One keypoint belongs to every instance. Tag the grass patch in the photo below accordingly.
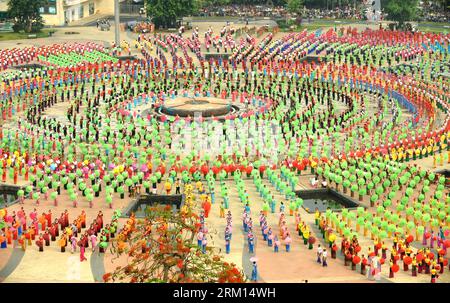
(309, 27)
(432, 29)
(18, 36)
(432, 23)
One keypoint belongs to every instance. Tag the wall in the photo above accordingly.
(57, 19)
(3, 5)
(104, 7)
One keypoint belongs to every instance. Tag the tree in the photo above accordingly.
(164, 13)
(400, 10)
(26, 15)
(170, 254)
(295, 6)
(207, 3)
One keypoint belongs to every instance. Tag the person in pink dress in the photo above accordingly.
(73, 242)
(33, 215)
(93, 238)
(36, 224)
(82, 256)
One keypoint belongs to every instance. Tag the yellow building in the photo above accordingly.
(58, 12)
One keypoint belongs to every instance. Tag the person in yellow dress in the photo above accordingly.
(168, 187)
(222, 209)
(199, 187)
(317, 216)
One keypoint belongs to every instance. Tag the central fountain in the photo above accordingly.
(190, 106)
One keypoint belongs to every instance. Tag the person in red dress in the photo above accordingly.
(46, 237)
(66, 218)
(48, 216)
(52, 232)
(56, 226)
(61, 221)
(40, 244)
(363, 265)
(100, 219)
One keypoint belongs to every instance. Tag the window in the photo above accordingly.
(81, 12)
(49, 8)
(91, 8)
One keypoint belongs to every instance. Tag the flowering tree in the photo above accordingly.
(162, 248)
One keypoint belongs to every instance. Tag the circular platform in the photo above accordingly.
(192, 106)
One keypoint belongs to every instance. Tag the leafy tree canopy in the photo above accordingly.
(165, 13)
(295, 6)
(400, 10)
(26, 15)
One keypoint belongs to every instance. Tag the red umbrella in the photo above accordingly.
(248, 169)
(204, 169)
(407, 260)
(216, 170)
(227, 168)
(447, 243)
(242, 168)
(419, 257)
(161, 169)
(409, 239)
(193, 169)
(395, 267)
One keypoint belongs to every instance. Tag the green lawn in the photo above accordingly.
(18, 36)
(433, 29)
(309, 27)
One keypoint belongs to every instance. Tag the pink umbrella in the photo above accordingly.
(144, 168)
